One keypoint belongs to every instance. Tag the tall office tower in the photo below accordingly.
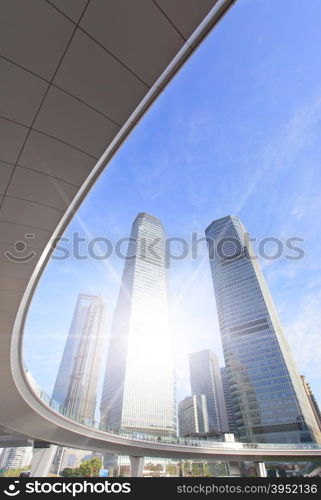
(76, 383)
(312, 399)
(269, 399)
(228, 402)
(206, 379)
(193, 416)
(139, 391)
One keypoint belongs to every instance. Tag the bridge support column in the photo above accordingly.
(43, 455)
(232, 468)
(137, 466)
(260, 469)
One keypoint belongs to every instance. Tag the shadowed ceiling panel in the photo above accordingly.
(66, 91)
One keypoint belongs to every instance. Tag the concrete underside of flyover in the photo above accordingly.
(59, 129)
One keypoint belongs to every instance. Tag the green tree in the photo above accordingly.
(154, 467)
(15, 472)
(172, 469)
(69, 472)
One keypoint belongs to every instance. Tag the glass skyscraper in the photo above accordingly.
(77, 379)
(228, 402)
(312, 399)
(269, 400)
(139, 389)
(193, 416)
(205, 376)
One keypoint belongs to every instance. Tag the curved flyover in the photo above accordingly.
(76, 77)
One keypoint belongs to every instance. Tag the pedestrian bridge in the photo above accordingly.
(138, 444)
(76, 77)
(59, 129)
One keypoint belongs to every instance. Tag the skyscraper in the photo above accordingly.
(15, 458)
(193, 416)
(138, 391)
(228, 402)
(269, 400)
(76, 383)
(312, 399)
(206, 379)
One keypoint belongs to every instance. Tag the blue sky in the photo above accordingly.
(237, 131)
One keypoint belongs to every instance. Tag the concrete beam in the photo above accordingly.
(42, 459)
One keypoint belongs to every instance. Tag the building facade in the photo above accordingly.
(268, 397)
(205, 376)
(77, 379)
(15, 458)
(139, 388)
(193, 416)
(228, 402)
(312, 399)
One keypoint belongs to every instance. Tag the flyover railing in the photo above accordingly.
(205, 442)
